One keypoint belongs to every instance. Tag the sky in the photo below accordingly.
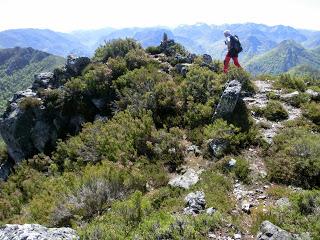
(68, 15)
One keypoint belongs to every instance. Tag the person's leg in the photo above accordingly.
(236, 62)
(226, 63)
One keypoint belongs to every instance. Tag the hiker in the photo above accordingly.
(234, 47)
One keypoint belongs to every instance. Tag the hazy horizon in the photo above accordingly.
(67, 16)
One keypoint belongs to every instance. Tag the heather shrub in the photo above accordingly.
(115, 48)
(274, 111)
(312, 112)
(294, 158)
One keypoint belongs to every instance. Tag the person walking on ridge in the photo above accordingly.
(234, 48)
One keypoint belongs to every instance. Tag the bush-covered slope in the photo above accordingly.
(18, 67)
(153, 121)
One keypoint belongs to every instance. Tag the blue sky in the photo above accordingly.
(68, 15)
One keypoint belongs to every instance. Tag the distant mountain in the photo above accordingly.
(18, 67)
(49, 41)
(286, 55)
(198, 38)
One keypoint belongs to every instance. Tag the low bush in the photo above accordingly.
(274, 111)
(29, 103)
(294, 158)
(312, 112)
(115, 48)
(300, 216)
(290, 82)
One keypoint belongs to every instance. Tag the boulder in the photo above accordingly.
(182, 68)
(189, 178)
(194, 149)
(27, 132)
(269, 231)
(35, 129)
(195, 202)
(289, 96)
(228, 100)
(36, 232)
(217, 147)
(42, 80)
(207, 59)
(75, 65)
(313, 94)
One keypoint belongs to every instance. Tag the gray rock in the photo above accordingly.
(75, 65)
(189, 178)
(36, 232)
(237, 236)
(194, 149)
(283, 202)
(232, 162)
(42, 80)
(5, 169)
(245, 206)
(195, 202)
(182, 68)
(211, 211)
(269, 231)
(313, 94)
(289, 96)
(217, 147)
(228, 100)
(207, 59)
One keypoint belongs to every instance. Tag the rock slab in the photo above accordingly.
(36, 232)
(269, 231)
(189, 178)
(228, 100)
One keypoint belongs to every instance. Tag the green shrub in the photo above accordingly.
(75, 87)
(98, 80)
(242, 170)
(291, 82)
(199, 84)
(312, 112)
(301, 216)
(115, 48)
(116, 140)
(29, 103)
(198, 114)
(299, 100)
(3, 151)
(294, 158)
(136, 88)
(153, 50)
(136, 58)
(274, 111)
(118, 66)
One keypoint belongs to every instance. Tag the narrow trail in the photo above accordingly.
(254, 196)
(260, 100)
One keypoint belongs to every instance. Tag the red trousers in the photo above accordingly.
(227, 60)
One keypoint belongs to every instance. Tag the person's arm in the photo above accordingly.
(228, 43)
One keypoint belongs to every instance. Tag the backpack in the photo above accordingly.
(235, 43)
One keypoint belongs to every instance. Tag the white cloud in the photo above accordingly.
(67, 15)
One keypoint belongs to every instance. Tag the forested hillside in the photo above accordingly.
(18, 67)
